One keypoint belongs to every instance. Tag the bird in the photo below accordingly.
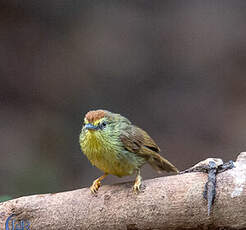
(117, 147)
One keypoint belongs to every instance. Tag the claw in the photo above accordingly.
(96, 184)
(138, 183)
(136, 188)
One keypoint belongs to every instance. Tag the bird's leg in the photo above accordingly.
(97, 183)
(138, 182)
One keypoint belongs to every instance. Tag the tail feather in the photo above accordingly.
(161, 164)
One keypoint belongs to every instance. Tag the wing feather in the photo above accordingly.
(137, 141)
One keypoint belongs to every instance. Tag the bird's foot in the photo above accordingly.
(97, 183)
(137, 184)
(95, 186)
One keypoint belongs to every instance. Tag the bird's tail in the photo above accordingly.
(161, 164)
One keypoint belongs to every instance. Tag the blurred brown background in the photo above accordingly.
(175, 68)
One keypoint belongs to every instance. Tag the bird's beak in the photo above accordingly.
(90, 127)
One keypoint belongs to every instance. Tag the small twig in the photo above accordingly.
(211, 166)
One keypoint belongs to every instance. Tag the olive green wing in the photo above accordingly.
(137, 141)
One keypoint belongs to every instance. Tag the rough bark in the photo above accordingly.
(173, 202)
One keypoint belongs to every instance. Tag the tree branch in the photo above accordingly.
(174, 202)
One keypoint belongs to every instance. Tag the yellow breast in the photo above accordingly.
(105, 155)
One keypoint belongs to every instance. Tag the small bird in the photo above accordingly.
(116, 146)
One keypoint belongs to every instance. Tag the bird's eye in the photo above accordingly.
(103, 124)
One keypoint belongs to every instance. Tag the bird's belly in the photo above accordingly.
(112, 163)
(110, 158)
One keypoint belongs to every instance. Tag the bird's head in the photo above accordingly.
(96, 120)
(101, 131)
(102, 122)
